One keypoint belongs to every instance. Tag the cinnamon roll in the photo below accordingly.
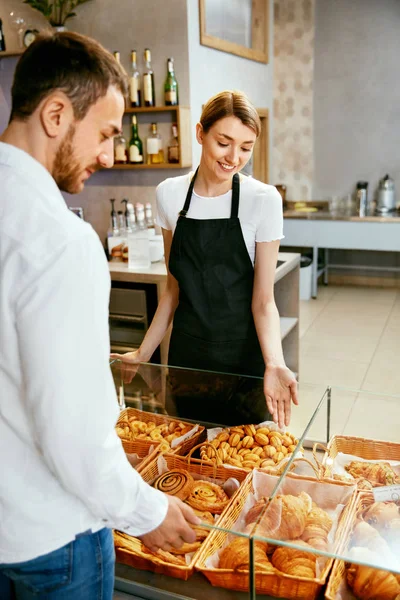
(175, 483)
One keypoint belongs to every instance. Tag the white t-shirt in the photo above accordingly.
(260, 208)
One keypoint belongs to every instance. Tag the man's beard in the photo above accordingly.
(67, 169)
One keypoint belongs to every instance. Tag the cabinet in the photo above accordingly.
(164, 116)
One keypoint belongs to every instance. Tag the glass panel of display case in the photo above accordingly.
(340, 530)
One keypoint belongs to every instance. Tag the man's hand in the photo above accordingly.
(175, 529)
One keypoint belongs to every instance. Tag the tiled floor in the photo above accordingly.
(350, 338)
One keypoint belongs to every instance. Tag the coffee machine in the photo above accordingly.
(386, 197)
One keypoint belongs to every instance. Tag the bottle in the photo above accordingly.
(171, 97)
(117, 56)
(155, 153)
(115, 241)
(135, 144)
(120, 151)
(148, 81)
(2, 40)
(134, 82)
(148, 215)
(138, 243)
(362, 198)
(173, 148)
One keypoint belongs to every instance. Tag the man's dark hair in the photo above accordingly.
(73, 63)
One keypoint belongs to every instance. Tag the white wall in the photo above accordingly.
(212, 71)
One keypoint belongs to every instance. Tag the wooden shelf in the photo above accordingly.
(160, 166)
(150, 109)
(287, 324)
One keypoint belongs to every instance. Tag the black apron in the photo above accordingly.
(213, 328)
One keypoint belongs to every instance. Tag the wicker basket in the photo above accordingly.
(338, 575)
(149, 474)
(275, 584)
(143, 447)
(356, 446)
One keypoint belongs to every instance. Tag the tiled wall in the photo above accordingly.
(293, 154)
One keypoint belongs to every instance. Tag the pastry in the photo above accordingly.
(377, 473)
(381, 514)
(131, 428)
(255, 511)
(286, 516)
(372, 584)
(318, 526)
(177, 483)
(292, 561)
(127, 542)
(207, 496)
(365, 536)
(186, 548)
(236, 556)
(206, 517)
(248, 446)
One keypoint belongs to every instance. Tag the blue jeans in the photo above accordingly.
(81, 570)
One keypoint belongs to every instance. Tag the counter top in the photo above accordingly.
(157, 272)
(324, 215)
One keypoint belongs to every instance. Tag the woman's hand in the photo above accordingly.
(280, 388)
(130, 364)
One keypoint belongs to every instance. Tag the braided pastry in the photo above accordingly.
(207, 496)
(177, 483)
(206, 517)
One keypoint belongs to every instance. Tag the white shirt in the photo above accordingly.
(63, 468)
(260, 208)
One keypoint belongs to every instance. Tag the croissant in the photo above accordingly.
(175, 483)
(295, 562)
(373, 584)
(207, 496)
(377, 473)
(366, 536)
(318, 526)
(236, 556)
(381, 514)
(255, 511)
(286, 516)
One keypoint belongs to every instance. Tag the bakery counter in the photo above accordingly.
(325, 215)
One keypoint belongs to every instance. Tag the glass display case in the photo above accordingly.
(321, 520)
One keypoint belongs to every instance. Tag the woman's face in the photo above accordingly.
(227, 147)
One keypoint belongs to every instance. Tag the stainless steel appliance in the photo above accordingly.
(132, 307)
(386, 198)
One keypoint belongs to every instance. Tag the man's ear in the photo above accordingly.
(199, 133)
(56, 114)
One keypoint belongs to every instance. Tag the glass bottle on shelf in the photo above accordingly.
(138, 243)
(171, 97)
(149, 97)
(155, 153)
(173, 148)
(2, 40)
(148, 213)
(134, 82)
(135, 144)
(120, 150)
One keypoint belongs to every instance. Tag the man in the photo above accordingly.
(65, 478)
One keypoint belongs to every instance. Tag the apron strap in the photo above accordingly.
(185, 208)
(235, 196)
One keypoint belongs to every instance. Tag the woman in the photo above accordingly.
(221, 245)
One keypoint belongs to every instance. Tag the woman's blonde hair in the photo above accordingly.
(230, 103)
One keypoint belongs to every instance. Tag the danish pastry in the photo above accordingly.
(177, 483)
(207, 496)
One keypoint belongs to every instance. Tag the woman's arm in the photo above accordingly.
(280, 385)
(162, 317)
